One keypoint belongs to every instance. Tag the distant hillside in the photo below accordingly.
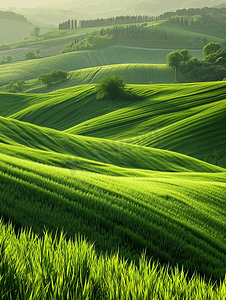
(42, 16)
(13, 27)
(31, 69)
(108, 8)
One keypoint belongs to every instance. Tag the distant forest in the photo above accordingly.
(9, 15)
(70, 24)
(207, 17)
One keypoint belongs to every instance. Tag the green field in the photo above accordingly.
(26, 70)
(171, 117)
(131, 73)
(129, 176)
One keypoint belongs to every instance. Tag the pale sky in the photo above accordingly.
(26, 3)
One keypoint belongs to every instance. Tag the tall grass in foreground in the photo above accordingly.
(49, 268)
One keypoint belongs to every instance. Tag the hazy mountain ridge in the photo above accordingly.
(99, 8)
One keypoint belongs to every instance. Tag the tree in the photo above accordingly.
(37, 52)
(9, 58)
(110, 87)
(211, 48)
(20, 83)
(186, 55)
(29, 55)
(217, 156)
(35, 32)
(173, 60)
(53, 77)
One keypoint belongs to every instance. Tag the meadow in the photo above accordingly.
(136, 179)
(175, 117)
(112, 199)
(31, 69)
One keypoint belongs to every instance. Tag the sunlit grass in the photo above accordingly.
(53, 268)
(71, 162)
(31, 69)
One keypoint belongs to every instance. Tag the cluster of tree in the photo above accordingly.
(4, 48)
(112, 87)
(91, 43)
(216, 12)
(207, 17)
(199, 21)
(191, 69)
(69, 24)
(53, 77)
(13, 87)
(134, 31)
(117, 21)
(35, 32)
(6, 59)
(32, 55)
(12, 16)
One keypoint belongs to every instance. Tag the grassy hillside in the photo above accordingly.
(95, 168)
(186, 118)
(132, 73)
(103, 150)
(31, 69)
(125, 212)
(12, 31)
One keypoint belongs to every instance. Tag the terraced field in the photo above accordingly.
(25, 70)
(124, 175)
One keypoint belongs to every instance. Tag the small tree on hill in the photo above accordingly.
(53, 77)
(37, 52)
(217, 156)
(29, 55)
(110, 87)
(173, 60)
(9, 58)
(35, 32)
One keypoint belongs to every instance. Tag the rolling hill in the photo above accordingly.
(129, 176)
(25, 70)
(131, 73)
(13, 31)
(171, 117)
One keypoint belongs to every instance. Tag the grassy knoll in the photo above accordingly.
(90, 276)
(25, 70)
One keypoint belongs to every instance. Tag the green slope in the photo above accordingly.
(18, 133)
(69, 161)
(176, 218)
(189, 119)
(186, 118)
(12, 31)
(31, 69)
(132, 73)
